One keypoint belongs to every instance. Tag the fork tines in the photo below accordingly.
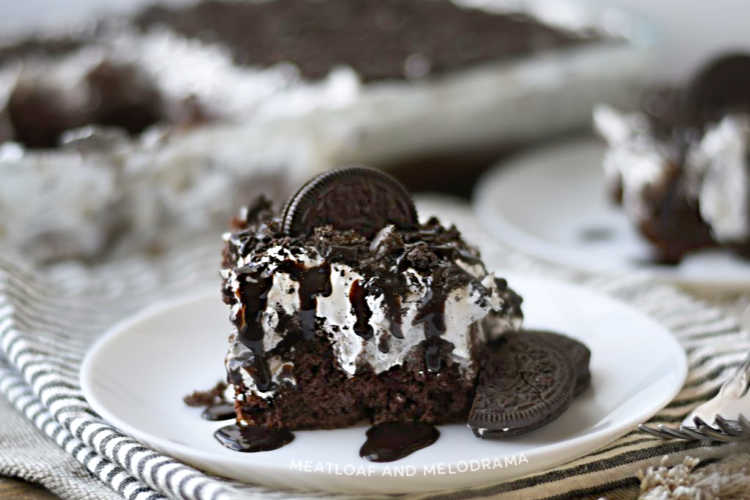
(726, 430)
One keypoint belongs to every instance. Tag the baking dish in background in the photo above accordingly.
(276, 128)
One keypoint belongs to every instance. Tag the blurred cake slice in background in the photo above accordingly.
(679, 166)
(119, 134)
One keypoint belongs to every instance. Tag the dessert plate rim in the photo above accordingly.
(523, 172)
(105, 355)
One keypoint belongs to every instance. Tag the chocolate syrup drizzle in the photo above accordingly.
(254, 296)
(357, 294)
(252, 439)
(430, 249)
(235, 437)
(218, 412)
(395, 440)
(385, 442)
(255, 284)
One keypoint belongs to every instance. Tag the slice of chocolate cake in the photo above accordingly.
(346, 308)
(679, 167)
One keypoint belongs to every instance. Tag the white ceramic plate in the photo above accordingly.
(552, 203)
(136, 376)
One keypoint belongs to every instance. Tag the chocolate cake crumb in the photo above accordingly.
(206, 398)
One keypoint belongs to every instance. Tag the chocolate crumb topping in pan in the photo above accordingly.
(380, 39)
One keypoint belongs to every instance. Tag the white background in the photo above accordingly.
(691, 30)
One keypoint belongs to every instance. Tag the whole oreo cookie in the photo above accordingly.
(720, 87)
(357, 198)
(525, 382)
(578, 353)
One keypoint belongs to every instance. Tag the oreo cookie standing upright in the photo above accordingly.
(358, 198)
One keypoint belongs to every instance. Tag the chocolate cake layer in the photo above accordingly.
(323, 397)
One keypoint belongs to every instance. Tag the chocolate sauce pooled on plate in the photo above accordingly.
(220, 411)
(252, 439)
(395, 440)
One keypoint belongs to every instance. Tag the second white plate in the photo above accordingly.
(552, 203)
(136, 376)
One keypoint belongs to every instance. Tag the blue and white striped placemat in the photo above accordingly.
(49, 318)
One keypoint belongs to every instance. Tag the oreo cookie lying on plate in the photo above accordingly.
(577, 351)
(527, 379)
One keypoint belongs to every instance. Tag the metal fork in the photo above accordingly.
(721, 419)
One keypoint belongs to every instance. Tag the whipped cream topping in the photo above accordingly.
(468, 314)
(720, 161)
(635, 160)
